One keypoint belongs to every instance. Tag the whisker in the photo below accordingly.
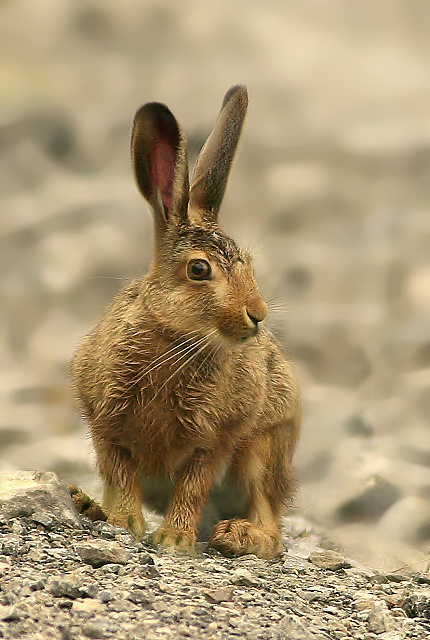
(110, 278)
(211, 352)
(162, 359)
(193, 355)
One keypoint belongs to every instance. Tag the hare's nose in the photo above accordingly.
(256, 311)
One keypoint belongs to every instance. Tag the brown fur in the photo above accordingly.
(179, 382)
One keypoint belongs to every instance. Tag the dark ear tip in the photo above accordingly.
(152, 111)
(238, 94)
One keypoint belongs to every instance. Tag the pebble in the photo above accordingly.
(379, 618)
(245, 578)
(102, 552)
(329, 560)
(87, 606)
(64, 587)
(220, 595)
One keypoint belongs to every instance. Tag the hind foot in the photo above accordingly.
(86, 505)
(239, 537)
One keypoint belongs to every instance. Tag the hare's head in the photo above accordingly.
(200, 280)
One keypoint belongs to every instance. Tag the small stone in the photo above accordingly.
(379, 619)
(94, 631)
(417, 604)
(111, 567)
(244, 578)
(121, 606)
(138, 596)
(397, 577)
(331, 560)
(316, 594)
(291, 627)
(10, 545)
(64, 588)
(145, 558)
(44, 519)
(4, 568)
(101, 552)
(87, 606)
(364, 600)
(7, 613)
(105, 596)
(149, 571)
(35, 555)
(37, 585)
(217, 596)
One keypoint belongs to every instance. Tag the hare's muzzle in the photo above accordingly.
(256, 312)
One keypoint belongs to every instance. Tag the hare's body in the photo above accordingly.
(179, 385)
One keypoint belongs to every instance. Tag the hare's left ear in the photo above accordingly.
(159, 159)
(214, 162)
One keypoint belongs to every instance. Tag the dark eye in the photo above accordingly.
(198, 270)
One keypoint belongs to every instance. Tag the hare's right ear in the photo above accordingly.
(159, 159)
(215, 160)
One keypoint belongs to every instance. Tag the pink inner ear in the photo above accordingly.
(162, 170)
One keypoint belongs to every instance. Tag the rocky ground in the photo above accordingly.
(64, 577)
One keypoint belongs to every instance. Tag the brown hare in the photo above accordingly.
(181, 384)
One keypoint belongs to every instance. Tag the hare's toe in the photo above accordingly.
(239, 537)
(131, 521)
(179, 540)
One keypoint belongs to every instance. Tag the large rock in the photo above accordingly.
(36, 495)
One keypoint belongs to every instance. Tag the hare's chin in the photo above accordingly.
(236, 340)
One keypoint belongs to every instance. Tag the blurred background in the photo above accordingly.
(331, 191)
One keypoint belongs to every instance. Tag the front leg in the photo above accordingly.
(190, 493)
(122, 499)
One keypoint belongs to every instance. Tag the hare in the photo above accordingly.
(180, 383)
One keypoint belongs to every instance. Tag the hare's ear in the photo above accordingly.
(214, 162)
(159, 159)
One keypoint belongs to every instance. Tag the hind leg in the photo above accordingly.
(266, 469)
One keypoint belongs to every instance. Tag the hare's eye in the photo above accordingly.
(198, 270)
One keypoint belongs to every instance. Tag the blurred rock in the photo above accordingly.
(407, 519)
(368, 549)
(368, 504)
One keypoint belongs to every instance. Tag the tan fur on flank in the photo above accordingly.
(191, 406)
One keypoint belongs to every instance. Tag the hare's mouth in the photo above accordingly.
(240, 335)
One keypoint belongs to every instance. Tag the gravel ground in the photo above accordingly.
(96, 582)
(65, 577)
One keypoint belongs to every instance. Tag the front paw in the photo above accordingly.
(239, 537)
(179, 540)
(132, 522)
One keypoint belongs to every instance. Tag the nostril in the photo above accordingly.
(253, 319)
